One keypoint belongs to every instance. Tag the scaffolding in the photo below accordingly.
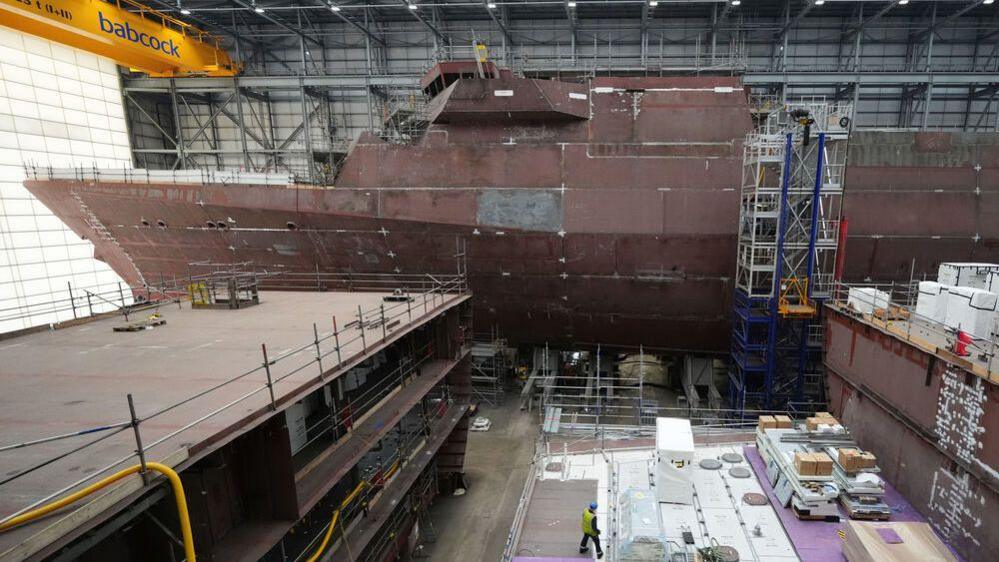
(789, 230)
(490, 367)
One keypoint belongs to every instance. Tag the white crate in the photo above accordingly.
(972, 310)
(866, 299)
(931, 303)
(966, 274)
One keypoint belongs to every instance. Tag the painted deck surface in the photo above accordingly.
(74, 378)
(717, 512)
(819, 541)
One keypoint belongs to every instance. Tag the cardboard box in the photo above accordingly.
(823, 415)
(823, 464)
(812, 424)
(804, 464)
(868, 460)
(767, 422)
(849, 459)
(783, 422)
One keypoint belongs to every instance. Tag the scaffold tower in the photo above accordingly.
(789, 229)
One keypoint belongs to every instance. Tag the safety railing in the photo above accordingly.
(340, 421)
(893, 307)
(196, 176)
(325, 353)
(76, 302)
(348, 281)
(375, 476)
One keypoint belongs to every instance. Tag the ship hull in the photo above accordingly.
(615, 225)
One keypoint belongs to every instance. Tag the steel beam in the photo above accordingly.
(344, 81)
(859, 28)
(802, 78)
(499, 23)
(937, 25)
(793, 23)
(361, 82)
(281, 24)
(440, 35)
(360, 27)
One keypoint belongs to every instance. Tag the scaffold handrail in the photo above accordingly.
(433, 296)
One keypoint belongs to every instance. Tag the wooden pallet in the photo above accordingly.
(893, 312)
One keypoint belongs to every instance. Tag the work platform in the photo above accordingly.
(200, 381)
(733, 505)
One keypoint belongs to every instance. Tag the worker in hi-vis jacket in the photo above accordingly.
(590, 531)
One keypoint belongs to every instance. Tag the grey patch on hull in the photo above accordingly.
(710, 464)
(528, 209)
(285, 249)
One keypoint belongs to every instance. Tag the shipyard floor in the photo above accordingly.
(474, 527)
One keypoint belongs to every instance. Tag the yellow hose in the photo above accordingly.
(175, 483)
(326, 538)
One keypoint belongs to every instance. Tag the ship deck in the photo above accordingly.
(550, 528)
(71, 379)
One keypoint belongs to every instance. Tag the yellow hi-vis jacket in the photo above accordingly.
(587, 523)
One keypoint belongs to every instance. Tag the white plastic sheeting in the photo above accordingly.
(931, 303)
(972, 310)
(640, 537)
(866, 299)
(58, 107)
(674, 455)
(966, 274)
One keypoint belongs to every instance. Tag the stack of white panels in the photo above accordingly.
(931, 303)
(993, 282)
(972, 310)
(966, 274)
(866, 299)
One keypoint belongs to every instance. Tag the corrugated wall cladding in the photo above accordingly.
(58, 107)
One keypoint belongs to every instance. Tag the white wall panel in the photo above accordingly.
(58, 107)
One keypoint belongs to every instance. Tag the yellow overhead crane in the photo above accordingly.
(131, 34)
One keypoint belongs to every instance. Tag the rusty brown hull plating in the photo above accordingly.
(609, 220)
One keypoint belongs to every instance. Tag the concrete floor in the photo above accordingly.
(474, 527)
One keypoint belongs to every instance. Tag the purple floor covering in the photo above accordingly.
(819, 541)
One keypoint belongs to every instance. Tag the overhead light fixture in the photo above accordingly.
(491, 6)
(736, 2)
(820, 2)
(182, 9)
(903, 2)
(570, 4)
(413, 7)
(258, 9)
(988, 1)
(334, 8)
(653, 3)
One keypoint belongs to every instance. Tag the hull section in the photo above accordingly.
(611, 220)
(934, 427)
